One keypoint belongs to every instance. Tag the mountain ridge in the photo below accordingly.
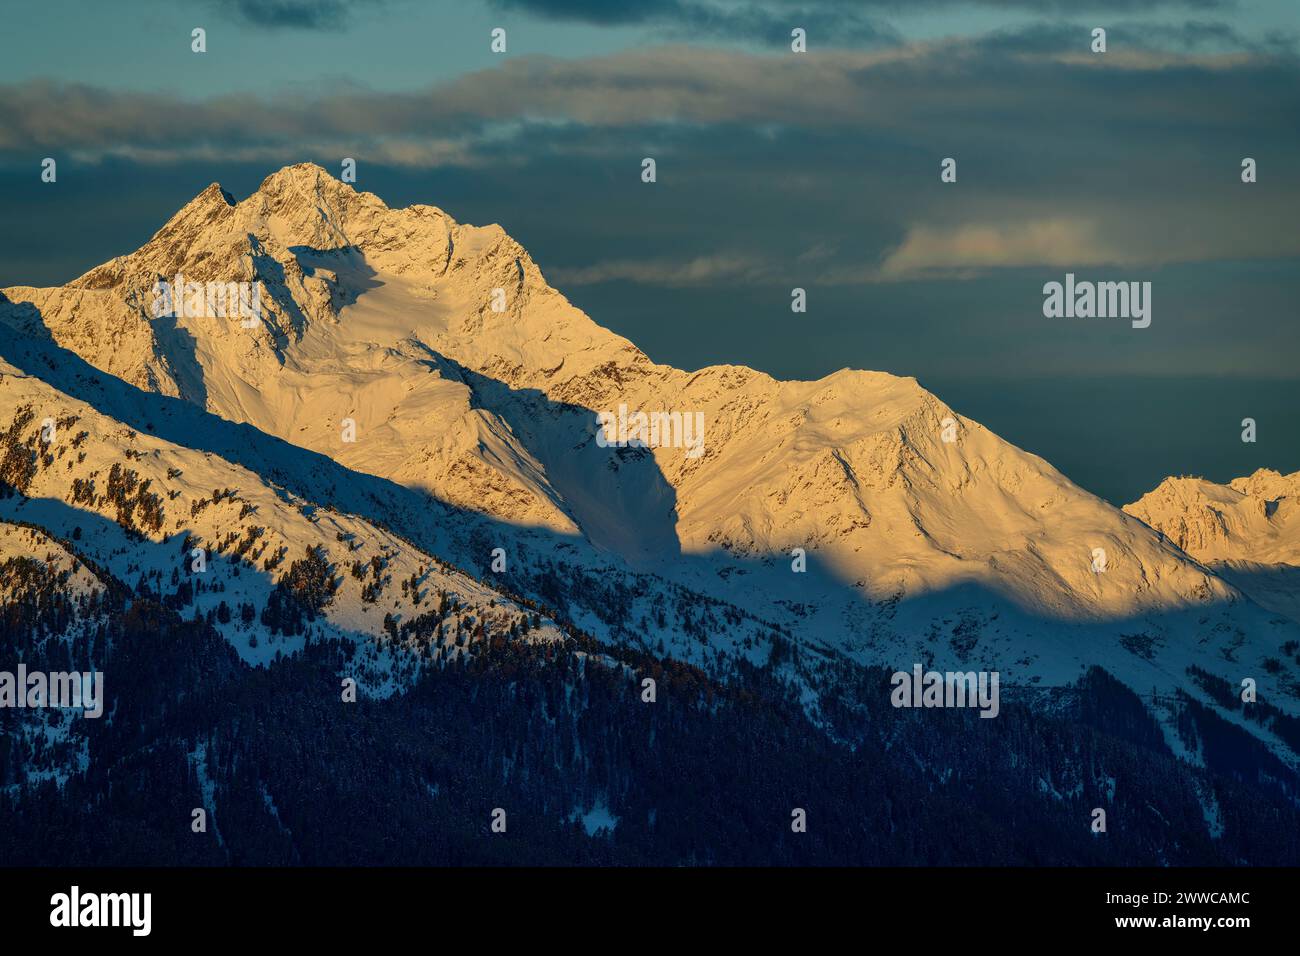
(910, 515)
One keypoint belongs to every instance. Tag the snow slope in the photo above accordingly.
(147, 509)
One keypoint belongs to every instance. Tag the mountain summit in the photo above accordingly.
(1248, 530)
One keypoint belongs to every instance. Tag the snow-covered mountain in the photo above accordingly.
(217, 539)
(1247, 530)
(472, 390)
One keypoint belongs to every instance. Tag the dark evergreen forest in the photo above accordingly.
(708, 773)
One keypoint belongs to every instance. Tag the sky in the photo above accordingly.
(775, 170)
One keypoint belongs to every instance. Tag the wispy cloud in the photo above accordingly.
(761, 21)
(965, 249)
(697, 271)
(296, 14)
(832, 23)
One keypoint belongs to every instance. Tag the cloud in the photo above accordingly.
(763, 21)
(697, 271)
(1125, 234)
(832, 24)
(597, 12)
(1061, 161)
(966, 249)
(295, 14)
(736, 14)
(836, 23)
(950, 87)
(1136, 42)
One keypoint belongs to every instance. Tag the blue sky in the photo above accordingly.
(818, 170)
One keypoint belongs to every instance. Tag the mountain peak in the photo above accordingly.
(308, 172)
(1267, 483)
(213, 193)
(211, 203)
(306, 179)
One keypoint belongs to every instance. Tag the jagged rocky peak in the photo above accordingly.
(299, 212)
(1254, 518)
(306, 209)
(1266, 483)
(307, 206)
